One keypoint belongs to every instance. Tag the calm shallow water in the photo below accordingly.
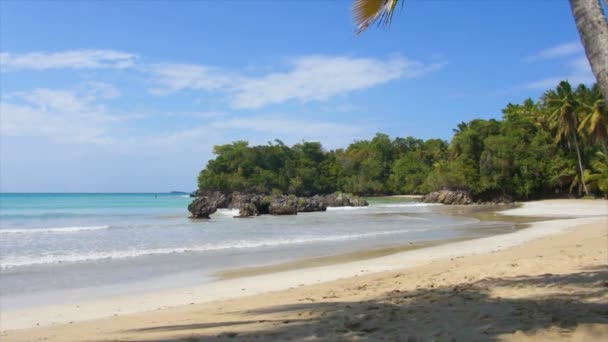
(72, 246)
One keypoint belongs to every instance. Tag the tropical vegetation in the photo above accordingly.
(554, 146)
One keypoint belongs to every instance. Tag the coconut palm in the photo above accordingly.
(592, 26)
(590, 19)
(461, 127)
(592, 109)
(562, 107)
(599, 179)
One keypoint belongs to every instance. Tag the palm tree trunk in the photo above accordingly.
(580, 164)
(592, 27)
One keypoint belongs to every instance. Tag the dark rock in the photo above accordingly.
(248, 209)
(310, 204)
(344, 200)
(237, 200)
(448, 197)
(202, 207)
(283, 205)
(251, 204)
(247, 204)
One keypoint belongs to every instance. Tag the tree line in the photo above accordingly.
(554, 146)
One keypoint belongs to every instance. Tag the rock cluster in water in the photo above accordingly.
(204, 206)
(255, 204)
(448, 197)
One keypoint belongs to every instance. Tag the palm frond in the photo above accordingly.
(367, 12)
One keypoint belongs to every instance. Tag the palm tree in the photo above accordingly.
(599, 179)
(592, 26)
(591, 23)
(462, 126)
(562, 107)
(593, 110)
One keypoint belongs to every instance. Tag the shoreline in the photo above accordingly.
(483, 213)
(259, 284)
(336, 259)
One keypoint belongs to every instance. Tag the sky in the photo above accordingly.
(131, 96)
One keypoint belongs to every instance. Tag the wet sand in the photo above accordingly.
(546, 282)
(489, 213)
(329, 260)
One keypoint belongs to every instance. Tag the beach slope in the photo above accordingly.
(546, 282)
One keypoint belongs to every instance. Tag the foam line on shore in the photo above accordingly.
(74, 229)
(9, 262)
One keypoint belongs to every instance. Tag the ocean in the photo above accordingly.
(61, 247)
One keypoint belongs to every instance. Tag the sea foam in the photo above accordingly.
(407, 205)
(227, 212)
(347, 208)
(74, 229)
(8, 261)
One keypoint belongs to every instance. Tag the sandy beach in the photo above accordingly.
(545, 282)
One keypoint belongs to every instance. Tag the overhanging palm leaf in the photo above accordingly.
(367, 12)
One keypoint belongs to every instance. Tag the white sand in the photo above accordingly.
(561, 208)
(587, 211)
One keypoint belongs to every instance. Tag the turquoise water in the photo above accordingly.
(71, 242)
(30, 206)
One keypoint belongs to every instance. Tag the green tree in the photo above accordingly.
(562, 107)
(599, 178)
(593, 110)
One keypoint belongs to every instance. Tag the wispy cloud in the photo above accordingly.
(318, 78)
(73, 59)
(99, 90)
(195, 114)
(309, 78)
(558, 51)
(258, 129)
(284, 126)
(577, 70)
(61, 115)
(175, 77)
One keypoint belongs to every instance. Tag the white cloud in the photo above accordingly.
(257, 129)
(277, 124)
(174, 77)
(73, 59)
(576, 66)
(100, 90)
(263, 128)
(195, 114)
(310, 78)
(60, 115)
(578, 71)
(317, 78)
(562, 50)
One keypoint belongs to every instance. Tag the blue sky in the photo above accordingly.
(128, 96)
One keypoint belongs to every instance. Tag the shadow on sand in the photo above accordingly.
(467, 312)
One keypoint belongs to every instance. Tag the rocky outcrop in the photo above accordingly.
(283, 205)
(344, 200)
(248, 209)
(310, 204)
(247, 204)
(254, 205)
(448, 197)
(202, 207)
